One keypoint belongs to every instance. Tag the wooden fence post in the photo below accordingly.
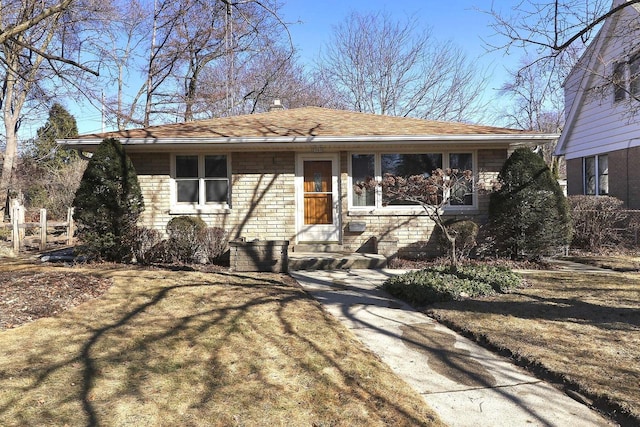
(15, 229)
(43, 229)
(70, 227)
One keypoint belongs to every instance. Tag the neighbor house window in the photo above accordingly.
(201, 180)
(374, 166)
(619, 82)
(596, 175)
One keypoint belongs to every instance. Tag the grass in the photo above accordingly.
(579, 329)
(190, 348)
(618, 262)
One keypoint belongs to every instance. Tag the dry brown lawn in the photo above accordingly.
(624, 263)
(191, 348)
(579, 329)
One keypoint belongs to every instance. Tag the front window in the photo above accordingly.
(374, 167)
(362, 172)
(462, 192)
(201, 180)
(407, 165)
(596, 175)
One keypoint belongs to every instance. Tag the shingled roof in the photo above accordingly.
(305, 122)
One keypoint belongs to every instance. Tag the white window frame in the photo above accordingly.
(597, 185)
(201, 206)
(378, 207)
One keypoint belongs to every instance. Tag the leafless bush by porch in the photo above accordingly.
(601, 223)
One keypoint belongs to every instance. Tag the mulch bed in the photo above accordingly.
(27, 296)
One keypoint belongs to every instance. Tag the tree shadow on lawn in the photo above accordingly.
(587, 342)
(139, 355)
(572, 310)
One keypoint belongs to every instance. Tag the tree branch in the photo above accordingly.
(11, 32)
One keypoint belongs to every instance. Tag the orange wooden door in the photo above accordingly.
(318, 192)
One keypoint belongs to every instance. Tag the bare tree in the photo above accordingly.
(536, 95)
(433, 193)
(272, 74)
(553, 27)
(383, 66)
(37, 43)
(554, 33)
(537, 103)
(214, 46)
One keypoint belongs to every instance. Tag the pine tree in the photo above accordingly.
(43, 150)
(529, 213)
(108, 203)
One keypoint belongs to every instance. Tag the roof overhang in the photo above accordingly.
(305, 143)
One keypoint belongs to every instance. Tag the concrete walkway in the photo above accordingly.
(464, 383)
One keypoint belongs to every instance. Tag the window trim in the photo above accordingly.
(379, 209)
(200, 207)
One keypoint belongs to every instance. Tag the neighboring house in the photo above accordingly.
(601, 137)
(290, 174)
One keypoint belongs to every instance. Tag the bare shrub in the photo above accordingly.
(214, 242)
(465, 233)
(144, 242)
(185, 241)
(597, 222)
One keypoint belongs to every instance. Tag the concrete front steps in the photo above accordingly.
(331, 257)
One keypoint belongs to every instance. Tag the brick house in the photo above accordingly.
(289, 174)
(601, 137)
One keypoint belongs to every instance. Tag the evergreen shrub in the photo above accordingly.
(108, 203)
(529, 213)
(445, 283)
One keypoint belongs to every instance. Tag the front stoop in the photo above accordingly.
(335, 261)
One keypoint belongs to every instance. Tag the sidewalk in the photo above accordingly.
(464, 383)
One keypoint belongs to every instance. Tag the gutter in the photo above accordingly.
(306, 142)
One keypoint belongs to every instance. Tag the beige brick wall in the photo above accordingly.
(262, 197)
(263, 201)
(153, 175)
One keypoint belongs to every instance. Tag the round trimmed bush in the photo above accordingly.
(186, 238)
(529, 214)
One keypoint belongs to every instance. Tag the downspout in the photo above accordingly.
(629, 146)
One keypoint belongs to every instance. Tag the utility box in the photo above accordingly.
(357, 226)
(259, 255)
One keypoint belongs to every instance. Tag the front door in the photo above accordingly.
(318, 199)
